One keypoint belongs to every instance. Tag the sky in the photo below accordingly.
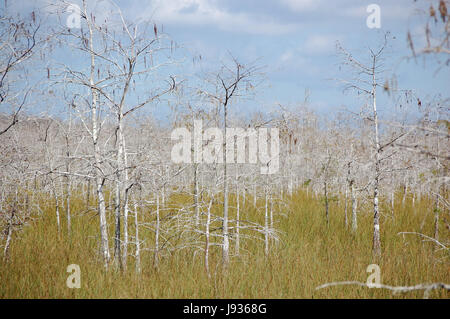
(295, 41)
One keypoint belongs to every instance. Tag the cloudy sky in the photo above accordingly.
(294, 39)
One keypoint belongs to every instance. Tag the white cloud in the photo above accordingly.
(320, 44)
(390, 11)
(313, 45)
(303, 57)
(287, 56)
(301, 5)
(292, 60)
(205, 12)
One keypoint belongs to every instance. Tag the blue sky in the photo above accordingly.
(295, 40)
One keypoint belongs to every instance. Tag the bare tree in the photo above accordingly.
(20, 39)
(231, 82)
(120, 53)
(366, 82)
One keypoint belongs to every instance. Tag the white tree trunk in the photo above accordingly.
(290, 186)
(157, 233)
(376, 215)
(68, 214)
(88, 193)
(117, 244)
(196, 193)
(346, 207)
(97, 156)
(58, 219)
(405, 192)
(8, 236)
(354, 207)
(436, 218)
(325, 190)
(138, 248)
(225, 234)
(271, 211)
(208, 221)
(392, 202)
(126, 188)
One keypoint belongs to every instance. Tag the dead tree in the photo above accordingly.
(19, 41)
(231, 82)
(366, 82)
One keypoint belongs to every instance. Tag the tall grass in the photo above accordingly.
(308, 254)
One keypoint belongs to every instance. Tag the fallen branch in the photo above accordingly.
(428, 239)
(395, 290)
